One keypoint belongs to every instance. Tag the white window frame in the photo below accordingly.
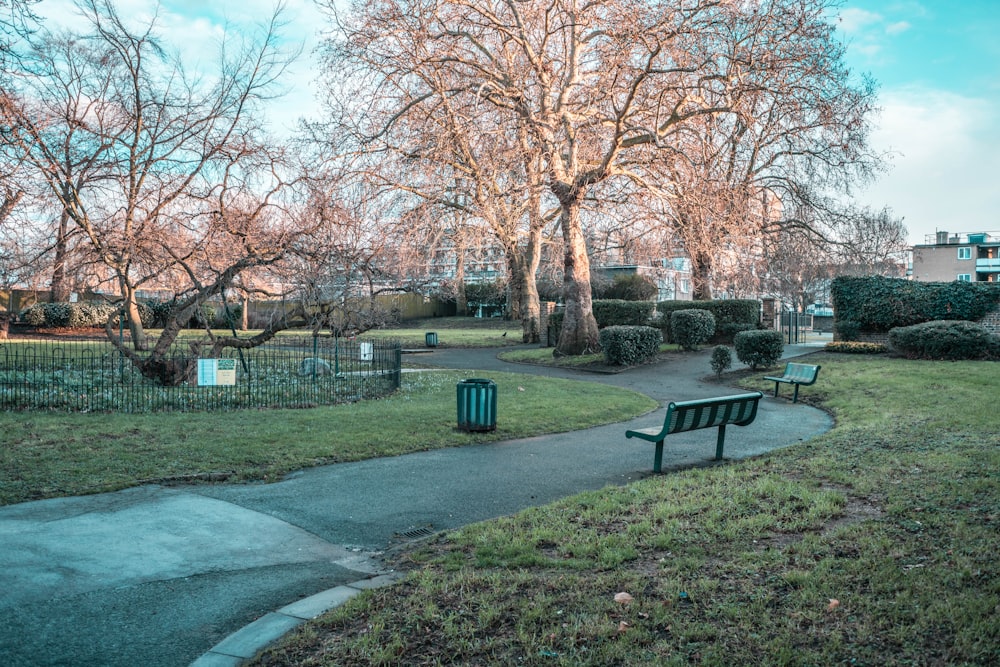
(964, 278)
(965, 253)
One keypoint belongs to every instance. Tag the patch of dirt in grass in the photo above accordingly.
(856, 510)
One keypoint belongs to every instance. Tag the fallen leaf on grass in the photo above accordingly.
(623, 598)
(834, 603)
(623, 627)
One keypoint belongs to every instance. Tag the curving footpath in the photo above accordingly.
(194, 574)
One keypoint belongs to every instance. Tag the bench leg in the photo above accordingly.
(720, 443)
(795, 397)
(658, 457)
(776, 389)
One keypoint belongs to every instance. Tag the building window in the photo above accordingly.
(965, 253)
(964, 278)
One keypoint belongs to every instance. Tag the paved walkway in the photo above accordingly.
(166, 576)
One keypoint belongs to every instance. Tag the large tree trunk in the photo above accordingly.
(132, 317)
(60, 289)
(701, 276)
(579, 328)
(515, 284)
(530, 307)
(461, 302)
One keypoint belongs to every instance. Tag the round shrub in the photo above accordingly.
(628, 345)
(943, 339)
(760, 348)
(692, 327)
(722, 360)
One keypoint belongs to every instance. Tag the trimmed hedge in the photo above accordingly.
(77, 314)
(631, 287)
(878, 304)
(731, 316)
(629, 345)
(84, 314)
(760, 348)
(944, 339)
(692, 327)
(618, 312)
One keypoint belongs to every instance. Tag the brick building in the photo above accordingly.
(970, 257)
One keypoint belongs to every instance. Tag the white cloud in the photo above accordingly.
(947, 155)
(854, 20)
(898, 27)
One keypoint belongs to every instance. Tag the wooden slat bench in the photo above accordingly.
(740, 409)
(795, 374)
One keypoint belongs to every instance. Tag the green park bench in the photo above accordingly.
(795, 374)
(740, 409)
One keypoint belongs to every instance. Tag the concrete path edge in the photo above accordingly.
(251, 639)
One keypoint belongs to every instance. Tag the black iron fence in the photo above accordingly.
(91, 375)
(794, 326)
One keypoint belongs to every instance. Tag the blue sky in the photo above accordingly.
(937, 63)
(938, 66)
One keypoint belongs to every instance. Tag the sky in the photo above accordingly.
(937, 64)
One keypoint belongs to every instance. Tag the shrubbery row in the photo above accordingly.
(85, 314)
(731, 315)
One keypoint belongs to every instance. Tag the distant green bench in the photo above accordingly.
(740, 409)
(795, 374)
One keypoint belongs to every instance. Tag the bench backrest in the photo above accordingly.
(801, 373)
(740, 409)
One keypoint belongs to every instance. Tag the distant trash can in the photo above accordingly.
(431, 339)
(477, 405)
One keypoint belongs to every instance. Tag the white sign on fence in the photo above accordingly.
(214, 372)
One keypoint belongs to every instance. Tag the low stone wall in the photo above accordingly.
(992, 321)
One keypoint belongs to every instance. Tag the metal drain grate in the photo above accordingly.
(415, 533)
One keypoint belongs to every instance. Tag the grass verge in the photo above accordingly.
(47, 454)
(872, 545)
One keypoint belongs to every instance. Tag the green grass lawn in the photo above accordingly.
(46, 454)
(875, 544)
(454, 332)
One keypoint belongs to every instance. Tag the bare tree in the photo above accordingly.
(798, 265)
(167, 177)
(870, 242)
(603, 90)
(468, 168)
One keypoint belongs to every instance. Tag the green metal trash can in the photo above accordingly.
(477, 405)
(431, 339)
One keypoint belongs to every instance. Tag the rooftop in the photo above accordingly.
(957, 238)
